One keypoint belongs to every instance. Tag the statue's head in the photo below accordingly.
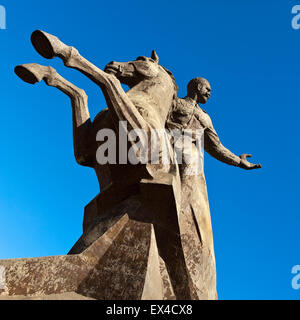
(199, 89)
(132, 72)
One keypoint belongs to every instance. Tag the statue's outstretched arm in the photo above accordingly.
(214, 147)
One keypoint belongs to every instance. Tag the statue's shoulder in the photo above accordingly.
(200, 113)
(202, 117)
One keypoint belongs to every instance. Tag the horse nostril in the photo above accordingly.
(114, 68)
(111, 65)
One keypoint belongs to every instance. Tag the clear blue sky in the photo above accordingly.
(251, 55)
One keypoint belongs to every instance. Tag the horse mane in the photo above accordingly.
(175, 94)
(172, 77)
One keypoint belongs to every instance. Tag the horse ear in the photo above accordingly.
(154, 56)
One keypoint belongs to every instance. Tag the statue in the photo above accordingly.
(196, 231)
(147, 235)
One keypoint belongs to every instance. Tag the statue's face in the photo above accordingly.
(204, 92)
(133, 72)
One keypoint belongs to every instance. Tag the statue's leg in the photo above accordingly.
(32, 73)
(118, 102)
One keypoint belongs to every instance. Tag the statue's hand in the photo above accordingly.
(244, 164)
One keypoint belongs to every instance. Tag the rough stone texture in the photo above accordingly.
(113, 267)
(123, 263)
(148, 234)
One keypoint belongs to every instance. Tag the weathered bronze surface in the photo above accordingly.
(148, 234)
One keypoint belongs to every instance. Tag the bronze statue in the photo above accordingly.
(147, 235)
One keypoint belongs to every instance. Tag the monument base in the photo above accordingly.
(114, 267)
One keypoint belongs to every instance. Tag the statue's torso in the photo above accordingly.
(187, 115)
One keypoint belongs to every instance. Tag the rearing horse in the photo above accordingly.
(145, 106)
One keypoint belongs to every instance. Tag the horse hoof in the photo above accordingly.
(32, 72)
(44, 43)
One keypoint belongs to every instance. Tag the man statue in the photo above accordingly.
(194, 218)
(188, 114)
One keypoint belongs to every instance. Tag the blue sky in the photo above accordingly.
(250, 54)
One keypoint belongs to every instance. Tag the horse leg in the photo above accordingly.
(117, 100)
(32, 73)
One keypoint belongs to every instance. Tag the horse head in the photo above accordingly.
(146, 76)
(133, 72)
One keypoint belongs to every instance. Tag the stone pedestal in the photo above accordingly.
(131, 249)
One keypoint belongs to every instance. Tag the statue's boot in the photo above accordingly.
(49, 46)
(33, 73)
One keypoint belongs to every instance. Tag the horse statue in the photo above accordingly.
(147, 194)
